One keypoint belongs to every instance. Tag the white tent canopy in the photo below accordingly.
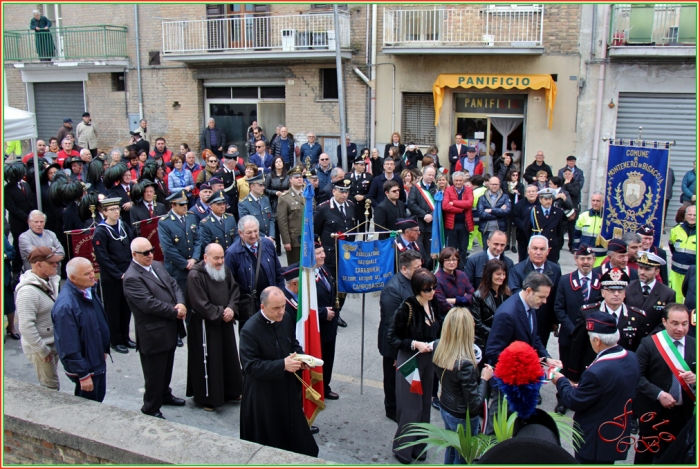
(19, 125)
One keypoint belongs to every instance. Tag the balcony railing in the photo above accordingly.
(256, 33)
(72, 42)
(661, 24)
(482, 26)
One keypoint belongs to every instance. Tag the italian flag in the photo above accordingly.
(409, 370)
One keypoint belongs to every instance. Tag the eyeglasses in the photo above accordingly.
(112, 209)
(394, 191)
(451, 259)
(146, 253)
(213, 161)
(429, 290)
(259, 146)
(325, 159)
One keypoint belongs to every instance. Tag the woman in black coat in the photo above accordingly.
(376, 163)
(414, 329)
(513, 187)
(492, 292)
(276, 182)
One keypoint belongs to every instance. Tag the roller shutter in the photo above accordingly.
(663, 117)
(53, 102)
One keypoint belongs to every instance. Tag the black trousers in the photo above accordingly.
(17, 261)
(554, 251)
(157, 372)
(219, 154)
(522, 250)
(592, 461)
(389, 385)
(99, 388)
(458, 238)
(675, 421)
(93, 152)
(570, 227)
(118, 311)
(328, 357)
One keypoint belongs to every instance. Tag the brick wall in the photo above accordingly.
(23, 449)
(562, 23)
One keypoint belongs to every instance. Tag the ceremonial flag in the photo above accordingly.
(149, 230)
(409, 370)
(308, 332)
(80, 242)
(438, 241)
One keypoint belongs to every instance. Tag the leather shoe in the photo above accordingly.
(332, 395)
(129, 343)
(179, 342)
(342, 323)
(314, 429)
(13, 335)
(119, 348)
(435, 403)
(391, 416)
(560, 409)
(401, 460)
(157, 414)
(172, 400)
(514, 250)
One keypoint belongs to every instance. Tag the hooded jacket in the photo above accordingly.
(35, 300)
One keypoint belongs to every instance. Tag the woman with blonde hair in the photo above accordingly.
(210, 166)
(409, 179)
(251, 169)
(395, 143)
(456, 359)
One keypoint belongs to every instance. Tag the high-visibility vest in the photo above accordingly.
(588, 227)
(684, 247)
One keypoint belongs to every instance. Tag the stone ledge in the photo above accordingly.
(127, 437)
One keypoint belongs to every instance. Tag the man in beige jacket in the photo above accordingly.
(36, 293)
(86, 134)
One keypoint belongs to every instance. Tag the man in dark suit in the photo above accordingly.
(351, 153)
(376, 189)
(617, 252)
(537, 262)
(421, 205)
(605, 391)
(395, 292)
(19, 201)
(456, 152)
(521, 212)
(547, 220)
(515, 320)
(496, 244)
(327, 318)
(647, 293)
(573, 291)
(667, 384)
(158, 305)
(334, 216)
(145, 203)
(118, 181)
(647, 234)
(390, 210)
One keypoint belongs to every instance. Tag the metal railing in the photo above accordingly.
(251, 32)
(72, 42)
(657, 25)
(470, 26)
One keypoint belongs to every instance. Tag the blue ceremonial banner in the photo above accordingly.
(438, 228)
(308, 256)
(365, 266)
(635, 190)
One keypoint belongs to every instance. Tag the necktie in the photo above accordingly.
(584, 288)
(540, 270)
(254, 248)
(80, 177)
(529, 317)
(546, 213)
(342, 209)
(182, 220)
(675, 390)
(415, 246)
(221, 222)
(646, 290)
(150, 209)
(325, 281)
(154, 273)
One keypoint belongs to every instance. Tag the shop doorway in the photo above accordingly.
(504, 132)
(476, 131)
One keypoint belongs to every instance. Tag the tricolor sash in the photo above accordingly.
(673, 359)
(427, 196)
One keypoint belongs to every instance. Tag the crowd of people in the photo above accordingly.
(224, 220)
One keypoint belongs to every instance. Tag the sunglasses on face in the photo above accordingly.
(324, 159)
(146, 253)
(182, 204)
(428, 290)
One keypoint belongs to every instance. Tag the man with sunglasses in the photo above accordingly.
(258, 137)
(158, 304)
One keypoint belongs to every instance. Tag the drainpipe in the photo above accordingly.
(341, 89)
(373, 86)
(138, 59)
(599, 105)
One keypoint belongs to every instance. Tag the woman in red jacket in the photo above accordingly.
(457, 208)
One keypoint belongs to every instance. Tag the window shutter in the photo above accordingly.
(418, 118)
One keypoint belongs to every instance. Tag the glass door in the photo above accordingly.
(233, 119)
(476, 131)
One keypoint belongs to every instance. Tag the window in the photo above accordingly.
(328, 6)
(418, 119)
(329, 83)
(118, 81)
(270, 92)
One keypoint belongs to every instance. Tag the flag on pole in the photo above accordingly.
(409, 370)
(438, 241)
(308, 332)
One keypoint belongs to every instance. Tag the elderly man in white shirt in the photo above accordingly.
(36, 236)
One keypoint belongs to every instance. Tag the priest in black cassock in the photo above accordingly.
(212, 296)
(271, 410)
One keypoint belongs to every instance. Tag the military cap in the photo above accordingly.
(212, 181)
(601, 323)
(179, 198)
(407, 224)
(649, 259)
(230, 156)
(217, 196)
(204, 186)
(43, 254)
(546, 192)
(359, 159)
(312, 174)
(257, 179)
(296, 171)
(291, 272)
(343, 184)
(111, 202)
(617, 245)
(645, 230)
(134, 134)
(614, 279)
(317, 242)
(584, 250)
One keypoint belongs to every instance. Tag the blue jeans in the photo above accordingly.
(451, 422)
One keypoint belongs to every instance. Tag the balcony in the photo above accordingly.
(475, 29)
(72, 44)
(305, 37)
(653, 30)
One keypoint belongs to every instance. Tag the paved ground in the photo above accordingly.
(354, 429)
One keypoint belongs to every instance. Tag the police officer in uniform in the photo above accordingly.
(179, 240)
(647, 234)
(201, 208)
(407, 240)
(630, 321)
(361, 181)
(547, 220)
(291, 289)
(218, 227)
(258, 205)
(648, 293)
(617, 252)
(290, 215)
(228, 174)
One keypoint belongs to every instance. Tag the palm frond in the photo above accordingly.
(503, 424)
(569, 430)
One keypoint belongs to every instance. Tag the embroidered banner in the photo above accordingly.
(365, 266)
(81, 246)
(149, 230)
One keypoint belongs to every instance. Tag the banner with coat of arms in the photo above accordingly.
(365, 266)
(635, 188)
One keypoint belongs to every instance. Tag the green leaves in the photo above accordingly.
(502, 423)
(569, 430)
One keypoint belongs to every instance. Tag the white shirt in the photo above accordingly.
(489, 255)
(581, 276)
(538, 267)
(617, 313)
(651, 287)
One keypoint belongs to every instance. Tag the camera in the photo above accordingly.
(509, 153)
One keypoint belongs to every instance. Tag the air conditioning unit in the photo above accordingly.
(331, 40)
(488, 39)
(288, 36)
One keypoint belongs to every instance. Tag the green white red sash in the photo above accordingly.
(673, 359)
(427, 196)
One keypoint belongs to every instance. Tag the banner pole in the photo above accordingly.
(362, 349)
